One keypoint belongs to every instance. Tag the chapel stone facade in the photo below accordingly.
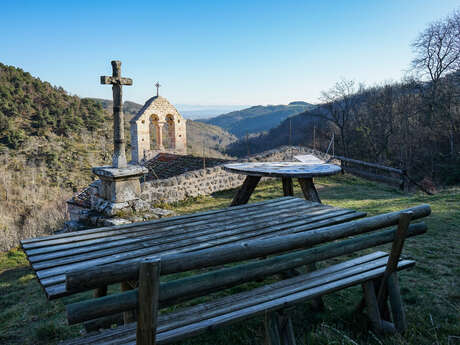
(158, 127)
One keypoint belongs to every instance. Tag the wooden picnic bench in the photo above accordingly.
(376, 272)
(310, 230)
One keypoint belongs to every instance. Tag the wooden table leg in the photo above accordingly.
(309, 190)
(288, 189)
(244, 193)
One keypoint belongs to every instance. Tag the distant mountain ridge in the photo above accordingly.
(295, 130)
(258, 118)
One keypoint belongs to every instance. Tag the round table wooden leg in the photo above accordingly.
(309, 190)
(288, 189)
(245, 191)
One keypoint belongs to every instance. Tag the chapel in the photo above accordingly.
(157, 128)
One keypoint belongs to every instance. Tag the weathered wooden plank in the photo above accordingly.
(54, 291)
(244, 193)
(203, 284)
(162, 220)
(129, 228)
(165, 228)
(169, 232)
(222, 254)
(146, 248)
(57, 291)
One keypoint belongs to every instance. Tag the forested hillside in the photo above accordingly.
(49, 141)
(30, 107)
(213, 138)
(258, 118)
(296, 130)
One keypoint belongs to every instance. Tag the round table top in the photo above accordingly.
(283, 169)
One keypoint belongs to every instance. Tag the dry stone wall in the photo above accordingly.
(211, 180)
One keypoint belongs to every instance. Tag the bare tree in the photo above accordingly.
(437, 49)
(340, 102)
(437, 56)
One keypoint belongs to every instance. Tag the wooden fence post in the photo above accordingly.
(149, 291)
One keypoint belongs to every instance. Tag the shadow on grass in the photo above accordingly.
(26, 316)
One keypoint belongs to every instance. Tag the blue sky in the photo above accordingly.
(215, 52)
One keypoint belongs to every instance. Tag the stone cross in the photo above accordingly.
(158, 88)
(119, 155)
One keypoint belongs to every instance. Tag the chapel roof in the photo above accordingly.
(166, 165)
(155, 101)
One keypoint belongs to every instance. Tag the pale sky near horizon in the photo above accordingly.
(215, 52)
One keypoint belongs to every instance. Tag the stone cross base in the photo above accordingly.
(119, 186)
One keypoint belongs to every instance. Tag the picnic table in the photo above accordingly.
(304, 173)
(53, 257)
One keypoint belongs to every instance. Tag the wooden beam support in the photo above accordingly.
(309, 190)
(149, 285)
(244, 193)
(317, 303)
(285, 324)
(373, 311)
(288, 188)
(272, 329)
(397, 307)
(396, 249)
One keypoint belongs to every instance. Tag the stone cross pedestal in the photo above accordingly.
(120, 186)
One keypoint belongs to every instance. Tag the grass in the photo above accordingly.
(431, 290)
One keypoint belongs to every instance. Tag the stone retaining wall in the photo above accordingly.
(210, 180)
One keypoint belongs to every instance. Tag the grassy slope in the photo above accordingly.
(430, 290)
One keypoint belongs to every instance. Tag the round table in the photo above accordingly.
(286, 171)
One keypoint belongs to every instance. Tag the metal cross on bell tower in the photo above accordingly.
(157, 85)
(119, 155)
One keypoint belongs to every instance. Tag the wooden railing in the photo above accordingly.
(375, 172)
